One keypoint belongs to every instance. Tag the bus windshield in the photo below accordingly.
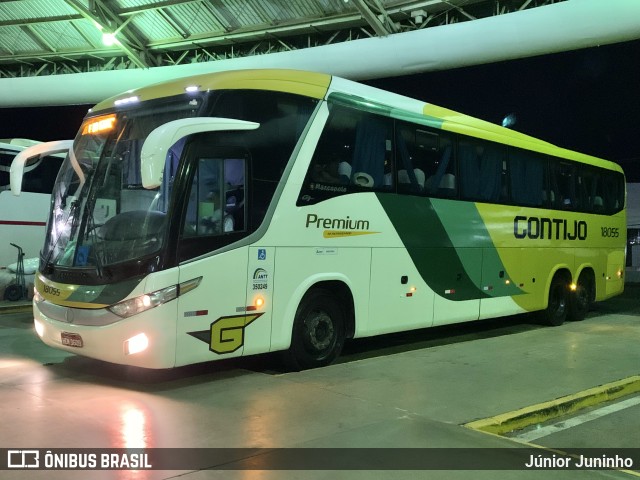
(101, 214)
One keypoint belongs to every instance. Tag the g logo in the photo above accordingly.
(227, 333)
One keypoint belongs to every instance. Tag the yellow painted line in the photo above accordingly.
(542, 412)
(503, 423)
(562, 424)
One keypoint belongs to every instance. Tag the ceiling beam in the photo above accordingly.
(113, 19)
(226, 37)
(113, 24)
(382, 12)
(155, 6)
(371, 18)
(34, 21)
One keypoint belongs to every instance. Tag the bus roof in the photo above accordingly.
(310, 84)
(324, 86)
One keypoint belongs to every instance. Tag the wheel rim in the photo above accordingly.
(319, 332)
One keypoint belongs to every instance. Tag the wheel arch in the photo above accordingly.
(588, 269)
(560, 271)
(337, 284)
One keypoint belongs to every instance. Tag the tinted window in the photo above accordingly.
(425, 161)
(481, 170)
(527, 178)
(216, 198)
(354, 154)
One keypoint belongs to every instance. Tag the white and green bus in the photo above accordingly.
(255, 211)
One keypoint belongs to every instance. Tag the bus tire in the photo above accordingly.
(13, 292)
(557, 308)
(581, 299)
(318, 331)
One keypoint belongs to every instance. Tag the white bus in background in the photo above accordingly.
(23, 218)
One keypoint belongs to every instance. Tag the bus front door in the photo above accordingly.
(211, 318)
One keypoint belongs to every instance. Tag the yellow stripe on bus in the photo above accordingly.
(309, 84)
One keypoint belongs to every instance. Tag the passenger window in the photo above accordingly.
(589, 190)
(527, 179)
(5, 167)
(354, 154)
(563, 186)
(418, 152)
(39, 173)
(440, 169)
(482, 166)
(614, 189)
(425, 164)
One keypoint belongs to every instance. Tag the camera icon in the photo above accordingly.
(23, 459)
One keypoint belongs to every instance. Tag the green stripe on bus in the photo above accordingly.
(449, 246)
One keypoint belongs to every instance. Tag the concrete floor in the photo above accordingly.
(407, 390)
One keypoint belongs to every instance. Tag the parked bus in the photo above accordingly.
(23, 219)
(256, 211)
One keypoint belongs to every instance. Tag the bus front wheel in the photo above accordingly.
(318, 331)
(558, 306)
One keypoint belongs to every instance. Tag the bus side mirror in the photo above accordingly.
(40, 150)
(156, 147)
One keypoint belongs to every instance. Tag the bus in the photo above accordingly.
(244, 212)
(23, 218)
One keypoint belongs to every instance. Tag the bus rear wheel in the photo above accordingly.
(318, 331)
(582, 298)
(557, 309)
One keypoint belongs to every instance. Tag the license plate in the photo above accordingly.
(71, 339)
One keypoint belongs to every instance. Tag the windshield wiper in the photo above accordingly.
(92, 230)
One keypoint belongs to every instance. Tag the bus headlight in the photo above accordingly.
(145, 302)
(37, 298)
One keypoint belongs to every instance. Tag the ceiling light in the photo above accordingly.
(109, 39)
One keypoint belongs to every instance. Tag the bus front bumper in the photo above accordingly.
(143, 340)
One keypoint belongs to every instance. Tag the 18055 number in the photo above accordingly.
(610, 232)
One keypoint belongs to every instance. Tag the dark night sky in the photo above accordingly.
(586, 100)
